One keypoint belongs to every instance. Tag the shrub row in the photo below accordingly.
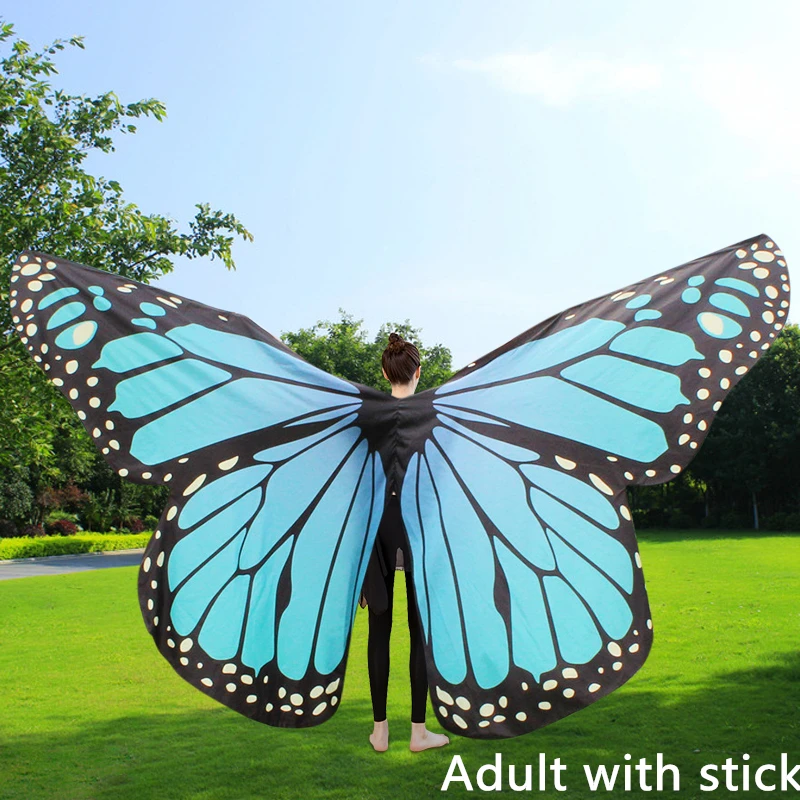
(731, 520)
(70, 545)
(68, 525)
(782, 521)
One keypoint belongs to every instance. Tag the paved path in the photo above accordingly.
(61, 565)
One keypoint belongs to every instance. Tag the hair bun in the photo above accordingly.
(396, 342)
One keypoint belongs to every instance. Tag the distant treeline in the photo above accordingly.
(746, 475)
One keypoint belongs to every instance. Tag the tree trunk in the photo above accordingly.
(755, 511)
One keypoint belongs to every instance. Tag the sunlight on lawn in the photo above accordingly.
(90, 710)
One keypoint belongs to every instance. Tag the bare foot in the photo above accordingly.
(423, 739)
(379, 738)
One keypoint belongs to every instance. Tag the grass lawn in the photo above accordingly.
(88, 709)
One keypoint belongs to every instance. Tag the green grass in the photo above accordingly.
(36, 547)
(88, 709)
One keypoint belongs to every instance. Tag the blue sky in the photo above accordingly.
(472, 166)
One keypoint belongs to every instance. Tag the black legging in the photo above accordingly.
(380, 629)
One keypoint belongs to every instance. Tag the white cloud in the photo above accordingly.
(756, 99)
(755, 96)
(559, 79)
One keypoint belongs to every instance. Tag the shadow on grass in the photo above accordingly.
(217, 754)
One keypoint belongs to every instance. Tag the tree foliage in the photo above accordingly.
(344, 348)
(752, 452)
(49, 201)
(749, 465)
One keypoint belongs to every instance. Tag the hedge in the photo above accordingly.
(30, 547)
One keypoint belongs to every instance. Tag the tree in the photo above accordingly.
(343, 348)
(753, 447)
(50, 202)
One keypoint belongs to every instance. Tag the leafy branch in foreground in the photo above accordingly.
(50, 201)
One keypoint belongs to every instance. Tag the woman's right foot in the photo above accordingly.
(423, 739)
(379, 738)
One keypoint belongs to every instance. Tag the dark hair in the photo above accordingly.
(400, 359)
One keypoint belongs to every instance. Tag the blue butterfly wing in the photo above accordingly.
(250, 583)
(527, 573)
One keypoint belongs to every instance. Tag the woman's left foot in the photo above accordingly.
(423, 739)
(379, 738)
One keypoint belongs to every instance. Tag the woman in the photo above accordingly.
(401, 367)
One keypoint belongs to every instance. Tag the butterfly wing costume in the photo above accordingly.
(512, 480)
